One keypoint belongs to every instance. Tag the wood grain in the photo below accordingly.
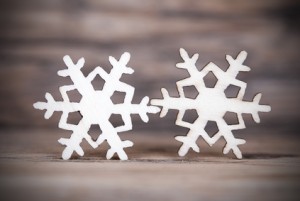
(37, 34)
(31, 169)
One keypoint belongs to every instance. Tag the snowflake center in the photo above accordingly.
(96, 107)
(210, 99)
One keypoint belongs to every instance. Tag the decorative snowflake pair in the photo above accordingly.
(96, 106)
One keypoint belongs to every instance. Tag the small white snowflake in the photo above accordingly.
(211, 104)
(96, 107)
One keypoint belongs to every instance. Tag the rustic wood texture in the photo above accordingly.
(36, 34)
(31, 169)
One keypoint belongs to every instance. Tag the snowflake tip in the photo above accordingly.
(180, 65)
(242, 56)
(234, 147)
(67, 153)
(71, 146)
(145, 101)
(183, 53)
(160, 102)
(151, 109)
(154, 109)
(38, 105)
(188, 61)
(127, 143)
(238, 62)
(122, 155)
(195, 57)
(70, 64)
(125, 58)
(187, 144)
(67, 59)
(110, 153)
(263, 108)
(43, 105)
(147, 109)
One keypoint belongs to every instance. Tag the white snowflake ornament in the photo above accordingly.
(211, 104)
(96, 107)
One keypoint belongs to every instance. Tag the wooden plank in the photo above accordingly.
(31, 169)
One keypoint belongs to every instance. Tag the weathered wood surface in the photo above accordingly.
(35, 35)
(31, 169)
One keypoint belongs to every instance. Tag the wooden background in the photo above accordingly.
(35, 35)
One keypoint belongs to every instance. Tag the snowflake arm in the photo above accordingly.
(71, 66)
(142, 109)
(113, 83)
(235, 105)
(231, 142)
(51, 106)
(116, 144)
(229, 77)
(189, 62)
(238, 62)
(190, 65)
(168, 103)
(73, 143)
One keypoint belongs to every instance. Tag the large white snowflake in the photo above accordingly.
(211, 104)
(96, 107)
